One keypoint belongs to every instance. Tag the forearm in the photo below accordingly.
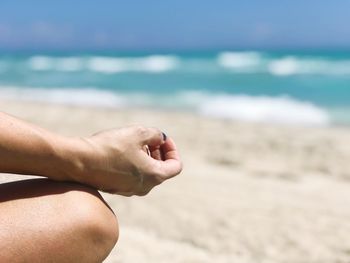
(28, 149)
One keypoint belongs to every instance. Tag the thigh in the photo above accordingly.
(46, 221)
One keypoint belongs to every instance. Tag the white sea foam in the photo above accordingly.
(106, 65)
(156, 63)
(255, 62)
(40, 63)
(150, 64)
(285, 66)
(291, 65)
(283, 110)
(240, 61)
(68, 96)
(44, 63)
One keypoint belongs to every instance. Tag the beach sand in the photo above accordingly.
(248, 192)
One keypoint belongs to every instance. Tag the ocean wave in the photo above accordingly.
(240, 61)
(106, 65)
(44, 63)
(248, 62)
(150, 64)
(282, 110)
(257, 62)
(292, 65)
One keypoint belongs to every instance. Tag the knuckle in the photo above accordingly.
(141, 130)
(157, 131)
(160, 134)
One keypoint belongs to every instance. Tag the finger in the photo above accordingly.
(151, 136)
(155, 152)
(170, 168)
(146, 149)
(171, 165)
(169, 151)
(165, 151)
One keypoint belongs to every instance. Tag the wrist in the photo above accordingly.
(70, 156)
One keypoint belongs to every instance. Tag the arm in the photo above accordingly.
(113, 161)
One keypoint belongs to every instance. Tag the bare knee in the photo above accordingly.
(46, 221)
(93, 221)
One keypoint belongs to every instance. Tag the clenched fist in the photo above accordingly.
(127, 161)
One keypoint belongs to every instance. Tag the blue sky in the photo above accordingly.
(184, 24)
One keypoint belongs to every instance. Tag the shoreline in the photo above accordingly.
(13, 103)
(279, 109)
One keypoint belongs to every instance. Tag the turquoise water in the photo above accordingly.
(301, 87)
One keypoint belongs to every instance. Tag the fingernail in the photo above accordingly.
(164, 136)
(147, 150)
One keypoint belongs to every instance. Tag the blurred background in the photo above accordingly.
(264, 61)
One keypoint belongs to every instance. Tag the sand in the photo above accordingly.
(248, 192)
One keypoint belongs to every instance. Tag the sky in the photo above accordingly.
(176, 24)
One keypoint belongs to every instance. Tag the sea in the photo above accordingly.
(304, 87)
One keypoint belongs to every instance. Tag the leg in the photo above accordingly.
(47, 221)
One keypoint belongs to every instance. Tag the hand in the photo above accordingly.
(118, 161)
